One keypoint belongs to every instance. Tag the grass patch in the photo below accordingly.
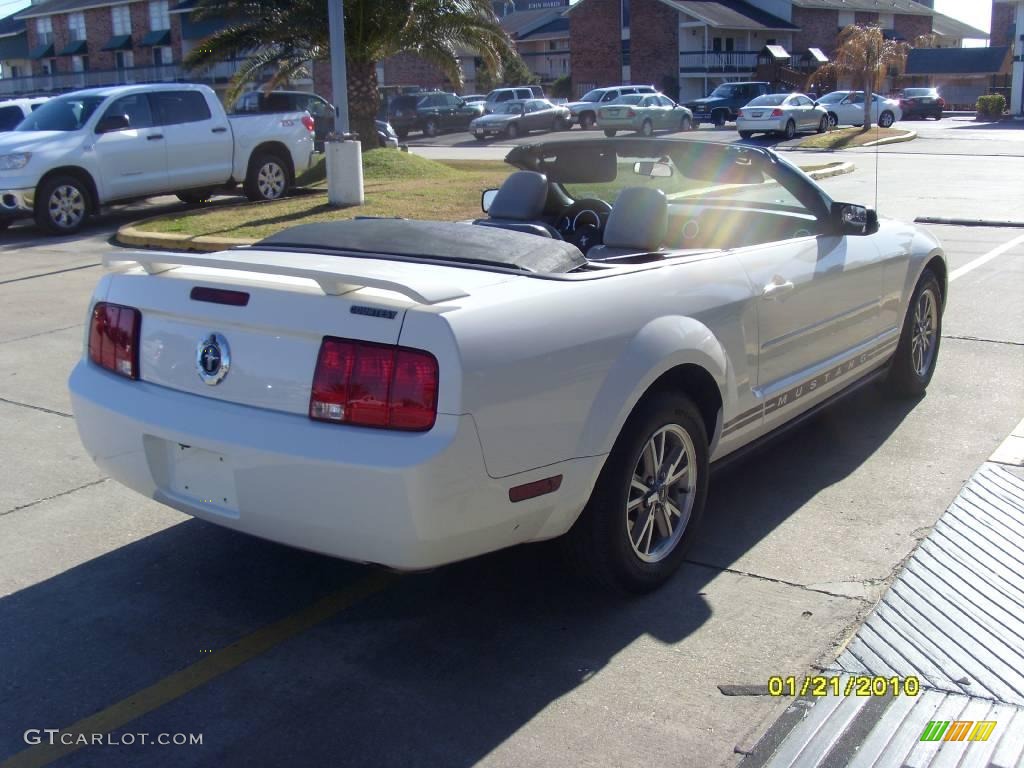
(845, 138)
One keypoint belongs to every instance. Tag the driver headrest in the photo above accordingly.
(522, 197)
(639, 219)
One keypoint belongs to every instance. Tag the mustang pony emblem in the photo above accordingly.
(213, 359)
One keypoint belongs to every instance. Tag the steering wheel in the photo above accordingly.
(582, 223)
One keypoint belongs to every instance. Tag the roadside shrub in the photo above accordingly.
(991, 107)
(562, 88)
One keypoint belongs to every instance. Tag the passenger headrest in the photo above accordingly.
(521, 197)
(638, 220)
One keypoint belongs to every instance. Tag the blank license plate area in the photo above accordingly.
(203, 476)
(756, 114)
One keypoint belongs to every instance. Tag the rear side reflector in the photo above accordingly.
(374, 385)
(220, 296)
(114, 338)
(534, 489)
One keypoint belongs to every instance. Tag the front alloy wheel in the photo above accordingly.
(913, 362)
(886, 119)
(62, 205)
(790, 130)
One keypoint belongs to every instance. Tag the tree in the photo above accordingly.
(513, 72)
(864, 55)
(286, 35)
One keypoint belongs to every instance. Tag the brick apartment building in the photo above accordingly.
(687, 47)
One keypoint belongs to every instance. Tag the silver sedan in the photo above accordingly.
(781, 113)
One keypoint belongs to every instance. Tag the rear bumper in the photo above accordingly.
(772, 124)
(404, 500)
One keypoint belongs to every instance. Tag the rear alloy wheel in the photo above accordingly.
(610, 132)
(645, 508)
(886, 119)
(686, 124)
(790, 131)
(647, 128)
(587, 121)
(430, 128)
(512, 131)
(267, 178)
(913, 362)
(823, 124)
(62, 205)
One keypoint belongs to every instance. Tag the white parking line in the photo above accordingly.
(985, 259)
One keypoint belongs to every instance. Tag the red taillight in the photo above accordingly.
(630, 112)
(309, 122)
(114, 338)
(777, 112)
(374, 385)
(942, 103)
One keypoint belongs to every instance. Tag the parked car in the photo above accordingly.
(432, 113)
(89, 148)
(473, 98)
(921, 103)
(518, 93)
(386, 136)
(13, 111)
(847, 108)
(723, 104)
(320, 109)
(644, 113)
(584, 111)
(517, 118)
(785, 114)
(460, 388)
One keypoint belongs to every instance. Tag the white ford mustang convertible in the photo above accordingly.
(414, 393)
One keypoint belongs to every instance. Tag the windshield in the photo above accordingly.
(830, 98)
(508, 108)
(633, 98)
(725, 91)
(594, 95)
(66, 113)
(769, 100)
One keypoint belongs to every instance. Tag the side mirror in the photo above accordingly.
(487, 198)
(112, 123)
(852, 219)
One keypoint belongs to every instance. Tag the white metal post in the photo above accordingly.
(344, 158)
(339, 74)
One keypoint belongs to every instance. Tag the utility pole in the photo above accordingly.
(344, 156)
(339, 74)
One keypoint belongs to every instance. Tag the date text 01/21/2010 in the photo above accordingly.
(834, 685)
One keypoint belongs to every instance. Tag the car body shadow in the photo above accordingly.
(439, 669)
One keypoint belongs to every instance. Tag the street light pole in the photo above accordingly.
(339, 75)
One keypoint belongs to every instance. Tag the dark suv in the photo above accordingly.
(431, 112)
(725, 101)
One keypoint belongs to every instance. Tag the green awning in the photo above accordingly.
(75, 48)
(41, 51)
(118, 43)
(157, 37)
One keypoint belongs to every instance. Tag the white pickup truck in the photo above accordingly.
(105, 145)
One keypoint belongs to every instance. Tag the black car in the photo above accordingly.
(319, 108)
(432, 112)
(921, 103)
(724, 103)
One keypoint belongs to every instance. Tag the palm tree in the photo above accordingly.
(286, 35)
(864, 55)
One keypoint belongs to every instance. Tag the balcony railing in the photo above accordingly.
(61, 82)
(718, 61)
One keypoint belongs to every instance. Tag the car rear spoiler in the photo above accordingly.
(336, 275)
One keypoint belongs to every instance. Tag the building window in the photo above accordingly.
(162, 55)
(76, 26)
(122, 19)
(730, 43)
(716, 44)
(49, 66)
(44, 30)
(124, 59)
(886, 20)
(79, 63)
(625, 14)
(159, 18)
(625, 53)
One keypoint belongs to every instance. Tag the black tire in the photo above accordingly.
(746, 134)
(719, 118)
(588, 121)
(600, 545)
(823, 124)
(479, 138)
(909, 374)
(431, 128)
(647, 128)
(62, 205)
(402, 133)
(686, 125)
(886, 119)
(195, 196)
(512, 131)
(610, 132)
(833, 119)
(268, 177)
(790, 131)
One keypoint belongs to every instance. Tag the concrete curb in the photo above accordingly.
(908, 136)
(131, 235)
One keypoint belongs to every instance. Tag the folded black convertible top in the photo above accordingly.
(433, 241)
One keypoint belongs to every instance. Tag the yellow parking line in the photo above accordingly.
(186, 680)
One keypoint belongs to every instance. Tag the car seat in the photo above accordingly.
(636, 225)
(519, 205)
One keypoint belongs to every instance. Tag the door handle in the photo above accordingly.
(154, 136)
(777, 288)
(219, 129)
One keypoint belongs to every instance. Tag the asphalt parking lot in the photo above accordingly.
(121, 616)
